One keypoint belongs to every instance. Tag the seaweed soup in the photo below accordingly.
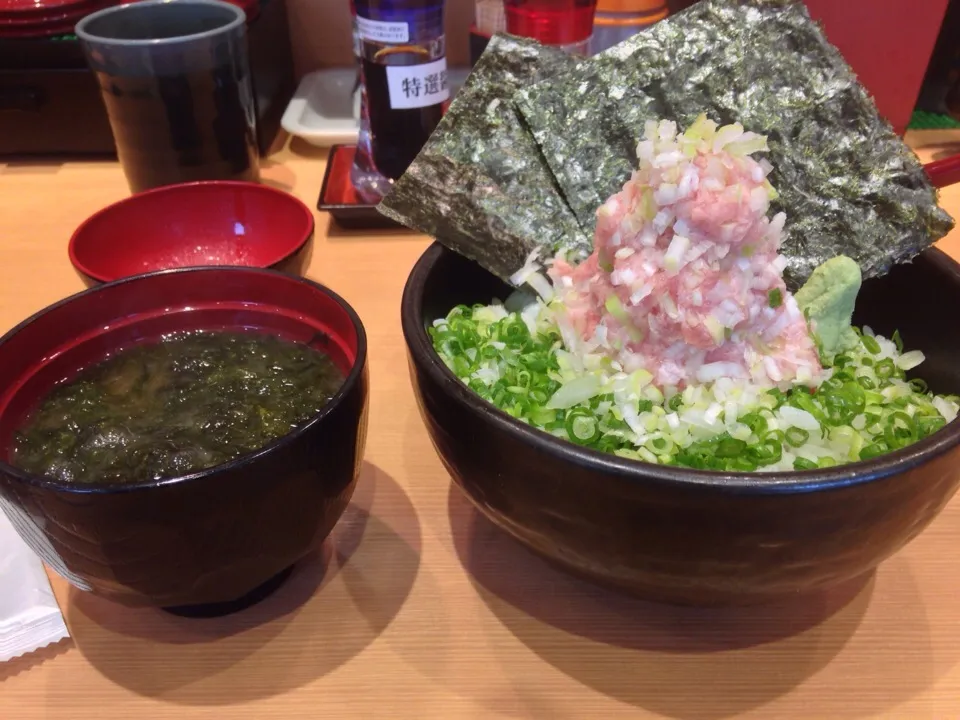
(182, 404)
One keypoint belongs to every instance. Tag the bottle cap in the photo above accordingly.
(566, 24)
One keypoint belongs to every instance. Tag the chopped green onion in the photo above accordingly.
(742, 463)
(929, 425)
(775, 297)
(885, 369)
(864, 409)
(756, 422)
(870, 344)
(897, 341)
(730, 447)
(581, 425)
(918, 386)
(901, 430)
(604, 261)
(615, 308)
(873, 450)
(796, 436)
(768, 452)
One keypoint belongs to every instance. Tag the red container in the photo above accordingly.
(202, 223)
(552, 22)
(888, 44)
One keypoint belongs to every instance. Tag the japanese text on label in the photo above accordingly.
(415, 86)
(380, 31)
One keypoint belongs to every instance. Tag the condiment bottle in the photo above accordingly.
(363, 174)
(617, 20)
(404, 76)
(565, 23)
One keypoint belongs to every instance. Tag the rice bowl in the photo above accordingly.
(676, 534)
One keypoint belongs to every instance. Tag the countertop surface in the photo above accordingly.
(416, 607)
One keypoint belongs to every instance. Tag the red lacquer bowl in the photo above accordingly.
(201, 223)
(208, 542)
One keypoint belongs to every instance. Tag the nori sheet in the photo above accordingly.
(847, 182)
(480, 184)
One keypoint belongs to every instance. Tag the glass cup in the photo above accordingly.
(175, 79)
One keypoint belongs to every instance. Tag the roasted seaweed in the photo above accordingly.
(171, 408)
(848, 184)
(480, 184)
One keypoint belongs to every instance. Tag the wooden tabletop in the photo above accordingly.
(417, 607)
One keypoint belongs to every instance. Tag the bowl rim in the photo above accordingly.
(295, 203)
(238, 20)
(350, 381)
(883, 466)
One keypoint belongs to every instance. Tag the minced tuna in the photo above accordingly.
(686, 279)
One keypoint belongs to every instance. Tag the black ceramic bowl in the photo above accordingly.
(685, 536)
(215, 536)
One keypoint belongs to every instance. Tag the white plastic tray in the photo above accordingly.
(325, 109)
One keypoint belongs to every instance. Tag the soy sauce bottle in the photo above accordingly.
(363, 174)
(403, 65)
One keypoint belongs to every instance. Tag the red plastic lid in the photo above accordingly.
(552, 22)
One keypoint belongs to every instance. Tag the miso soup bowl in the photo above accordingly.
(686, 536)
(216, 536)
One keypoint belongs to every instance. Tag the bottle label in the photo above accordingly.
(417, 86)
(384, 32)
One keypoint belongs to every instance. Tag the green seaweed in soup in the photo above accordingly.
(186, 403)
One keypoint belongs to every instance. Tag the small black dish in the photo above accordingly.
(687, 536)
(339, 198)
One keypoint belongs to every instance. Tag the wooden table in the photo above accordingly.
(418, 608)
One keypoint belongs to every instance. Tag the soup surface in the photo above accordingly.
(164, 409)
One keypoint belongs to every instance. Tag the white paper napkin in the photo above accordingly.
(29, 615)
